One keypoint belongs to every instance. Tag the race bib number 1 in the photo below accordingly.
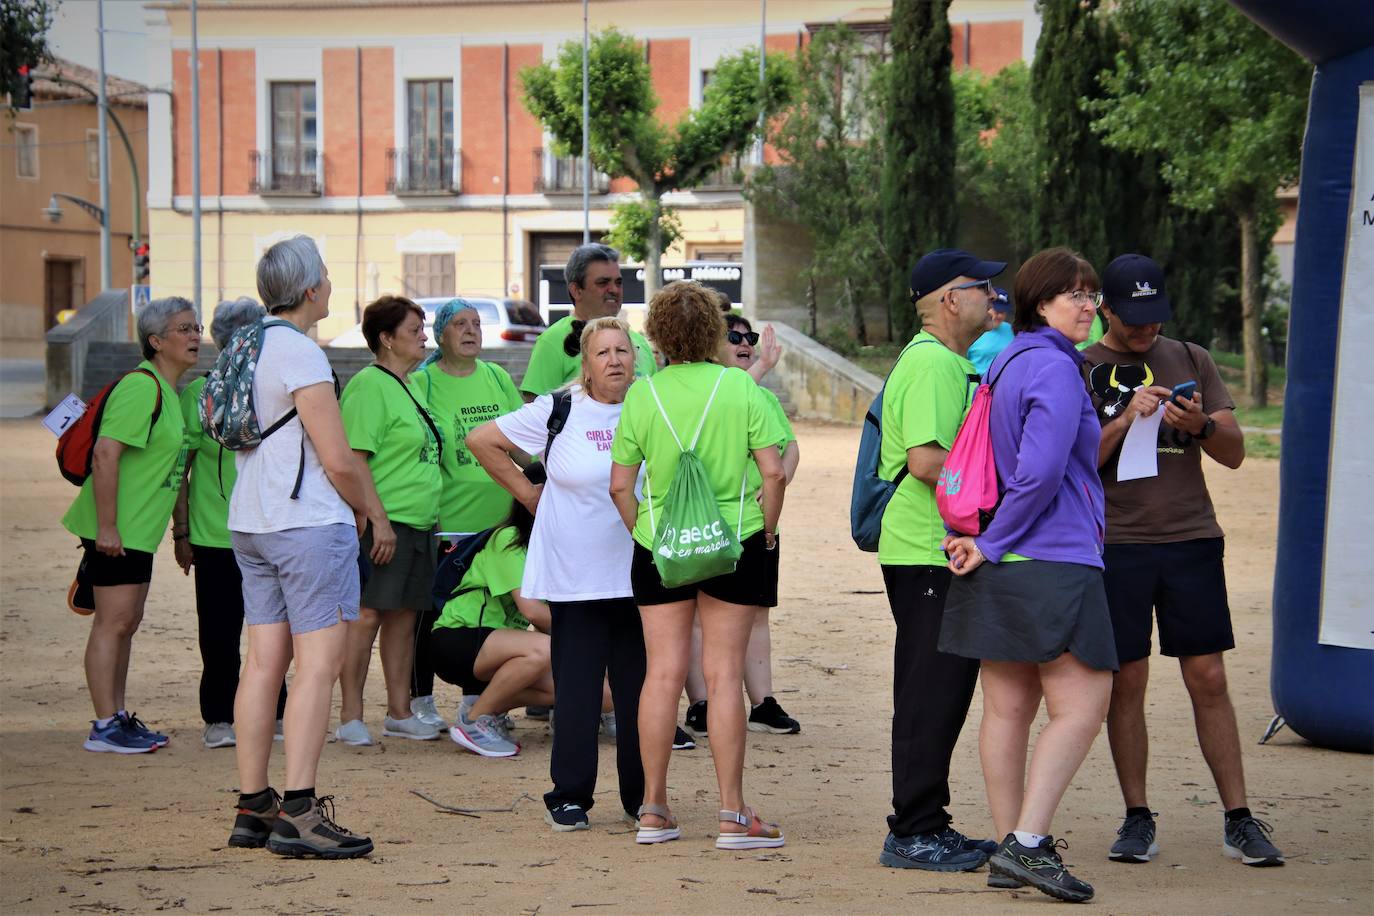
(65, 414)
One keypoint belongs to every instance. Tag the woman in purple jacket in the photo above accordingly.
(1028, 598)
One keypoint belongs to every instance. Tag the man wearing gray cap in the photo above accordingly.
(1164, 549)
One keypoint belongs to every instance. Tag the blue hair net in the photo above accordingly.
(441, 319)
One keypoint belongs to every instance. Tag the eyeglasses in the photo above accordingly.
(985, 286)
(1083, 297)
(190, 328)
(739, 337)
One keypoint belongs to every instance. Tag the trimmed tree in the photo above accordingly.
(918, 188)
(627, 139)
(1223, 105)
(24, 28)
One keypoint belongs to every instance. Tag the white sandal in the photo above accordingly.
(757, 835)
(669, 831)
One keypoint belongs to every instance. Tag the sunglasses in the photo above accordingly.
(739, 337)
(984, 286)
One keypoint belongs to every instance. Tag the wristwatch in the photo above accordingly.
(1207, 429)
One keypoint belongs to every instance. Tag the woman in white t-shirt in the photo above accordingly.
(579, 562)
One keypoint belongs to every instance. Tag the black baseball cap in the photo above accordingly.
(944, 264)
(1133, 288)
(1000, 300)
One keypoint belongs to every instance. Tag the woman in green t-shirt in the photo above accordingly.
(461, 392)
(733, 420)
(482, 641)
(390, 430)
(123, 508)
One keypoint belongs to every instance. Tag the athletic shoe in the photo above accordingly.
(313, 832)
(1136, 839)
(950, 835)
(423, 709)
(482, 737)
(252, 828)
(219, 734)
(410, 727)
(542, 713)
(1003, 882)
(1245, 840)
(1041, 868)
(116, 738)
(135, 724)
(279, 731)
(505, 725)
(353, 732)
(695, 719)
(566, 818)
(768, 716)
(683, 741)
(930, 852)
(608, 724)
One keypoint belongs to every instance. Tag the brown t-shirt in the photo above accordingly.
(1174, 506)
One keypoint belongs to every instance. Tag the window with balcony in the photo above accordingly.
(25, 150)
(556, 174)
(427, 163)
(292, 165)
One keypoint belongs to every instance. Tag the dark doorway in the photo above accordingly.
(549, 248)
(62, 288)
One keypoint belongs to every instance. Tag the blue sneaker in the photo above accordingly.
(117, 738)
(930, 852)
(135, 725)
(950, 835)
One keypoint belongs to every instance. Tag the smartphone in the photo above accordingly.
(1183, 391)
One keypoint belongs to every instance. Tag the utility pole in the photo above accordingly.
(195, 165)
(763, 77)
(586, 117)
(106, 279)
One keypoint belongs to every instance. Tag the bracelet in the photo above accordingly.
(179, 537)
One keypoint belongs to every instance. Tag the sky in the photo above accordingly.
(73, 36)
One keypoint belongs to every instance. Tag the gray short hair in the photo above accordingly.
(232, 314)
(287, 270)
(154, 317)
(584, 256)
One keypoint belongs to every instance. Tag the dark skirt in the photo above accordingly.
(1030, 611)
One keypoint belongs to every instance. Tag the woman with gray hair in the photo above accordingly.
(123, 509)
(297, 507)
(200, 538)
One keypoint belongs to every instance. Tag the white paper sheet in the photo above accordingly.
(64, 414)
(1139, 451)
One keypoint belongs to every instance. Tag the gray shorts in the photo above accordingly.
(307, 577)
(407, 582)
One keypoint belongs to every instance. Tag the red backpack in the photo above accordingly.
(76, 446)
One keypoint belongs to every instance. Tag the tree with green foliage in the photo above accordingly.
(830, 148)
(997, 166)
(24, 28)
(917, 189)
(1223, 105)
(627, 139)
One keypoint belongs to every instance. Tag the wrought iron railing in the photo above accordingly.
(291, 171)
(423, 170)
(563, 174)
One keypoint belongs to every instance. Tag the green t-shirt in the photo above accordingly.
(928, 393)
(150, 468)
(380, 418)
(492, 578)
(471, 500)
(550, 367)
(739, 421)
(779, 417)
(212, 467)
(1095, 333)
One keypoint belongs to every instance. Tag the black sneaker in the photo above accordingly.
(538, 712)
(929, 852)
(1041, 868)
(768, 716)
(1136, 839)
(1246, 840)
(696, 719)
(682, 741)
(952, 836)
(566, 818)
(252, 826)
(314, 833)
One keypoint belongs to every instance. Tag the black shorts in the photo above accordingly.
(100, 570)
(1184, 583)
(454, 650)
(754, 583)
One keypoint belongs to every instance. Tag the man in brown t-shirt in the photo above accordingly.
(1164, 549)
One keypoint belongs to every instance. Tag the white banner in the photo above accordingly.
(1347, 612)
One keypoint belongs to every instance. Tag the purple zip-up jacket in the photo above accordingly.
(1044, 439)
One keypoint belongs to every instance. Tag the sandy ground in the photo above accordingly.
(99, 833)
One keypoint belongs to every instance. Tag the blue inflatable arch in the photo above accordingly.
(1322, 676)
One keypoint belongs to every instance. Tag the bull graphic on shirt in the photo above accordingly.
(1114, 385)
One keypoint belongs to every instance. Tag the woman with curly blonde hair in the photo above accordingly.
(719, 413)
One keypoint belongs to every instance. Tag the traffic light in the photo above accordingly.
(141, 263)
(22, 95)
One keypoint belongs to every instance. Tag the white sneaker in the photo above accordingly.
(423, 709)
(608, 724)
(353, 732)
(503, 723)
(410, 727)
(279, 733)
(219, 734)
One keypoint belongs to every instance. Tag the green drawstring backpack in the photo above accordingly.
(695, 542)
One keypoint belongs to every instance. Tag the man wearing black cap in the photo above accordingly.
(1164, 549)
(927, 394)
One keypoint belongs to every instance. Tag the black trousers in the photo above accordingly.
(931, 692)
(591, 639)
(219, 616)
(422, 671)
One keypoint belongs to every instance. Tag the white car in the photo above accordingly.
(505, 323)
